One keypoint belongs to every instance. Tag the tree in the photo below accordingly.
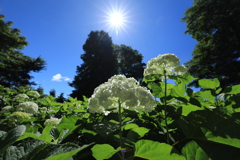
(99, 64)
(61, 98)
(129, 61)
(52, 92)
(215, 24)
(102, 60)
(15, 67)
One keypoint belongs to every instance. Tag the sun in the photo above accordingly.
(116, 19)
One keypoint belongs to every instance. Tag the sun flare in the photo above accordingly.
(116, 19)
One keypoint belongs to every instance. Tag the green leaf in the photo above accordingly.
(89, 131)
(21, 150)
(186, 109)
(44, 151)
(68, 122)
(148, 149)
(10, 137)
(67, 126)
(192, 151)
(130, 126)
(156, 89)
(185, 79)
(2, 133)
(209, 84)
(178, 90)
(105, 128)
(195, 101)
(152, 78)
(66, 155)
(199, 150)
(207, 125)
(79, 110)
(232, 89)
(207, 95)
(103, 151)
(45, 136)
(189, 92)
(141, 131)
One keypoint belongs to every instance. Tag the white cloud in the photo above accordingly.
(58, 77)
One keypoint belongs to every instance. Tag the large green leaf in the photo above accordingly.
(67, 126)
(207, 95)
(10, 137)
(45, 136)
(186, 109)
(21, 150)
(209, 84)
(141, 131)
(178, 90)
(68, 123)
(103, 151)
(232, 89)
(158, 89)
(47, 150)
(152, 150)
(192, 151)
(201, 150)
(66, 155)
(209, 125)
(130, 126)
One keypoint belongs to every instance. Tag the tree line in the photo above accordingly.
(215, 24)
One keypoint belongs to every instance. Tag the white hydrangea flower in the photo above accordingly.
(169, 63)
(20, 115)
(21, 96)
(7, 109)
(33, 93)
(43, 109)
(52, 121)
(28, 107)
(127, 90)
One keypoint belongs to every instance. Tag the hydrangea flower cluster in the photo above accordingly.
(28, 107)
(33, 94)
(7, 109)
(20, 115)
(21, 97)
(166, 63)
(52, 121)
(127, 90)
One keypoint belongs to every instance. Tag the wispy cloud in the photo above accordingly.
(59, 78)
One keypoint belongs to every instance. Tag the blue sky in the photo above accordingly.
(56, 30)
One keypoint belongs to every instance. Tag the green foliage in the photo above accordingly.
(184, 125)
(103, 151)
(7, 139)
(148, 149)
(216, 54)
(34, 149)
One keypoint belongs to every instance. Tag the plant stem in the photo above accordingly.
(120, 128)
(165, 106)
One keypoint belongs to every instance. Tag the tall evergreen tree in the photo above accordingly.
(15, 67)
(215, 24)
(102, 59)
(99, 64)
(129, 61)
